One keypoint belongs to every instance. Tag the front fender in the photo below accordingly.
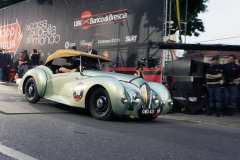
(40, 78)
(163, 92)
(114, 88)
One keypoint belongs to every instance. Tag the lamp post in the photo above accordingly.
(185, 24)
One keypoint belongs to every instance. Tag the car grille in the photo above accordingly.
(146, 92)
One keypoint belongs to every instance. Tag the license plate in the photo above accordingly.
(151, 111)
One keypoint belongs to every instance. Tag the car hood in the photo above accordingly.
(121, 77)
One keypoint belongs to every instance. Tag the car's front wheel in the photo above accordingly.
(100, 104)
(31, 92)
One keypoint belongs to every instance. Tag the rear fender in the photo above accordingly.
(40, 78)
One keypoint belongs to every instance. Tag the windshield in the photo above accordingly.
(91, 63)
(80, 63)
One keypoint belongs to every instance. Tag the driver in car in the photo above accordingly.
(70, 67)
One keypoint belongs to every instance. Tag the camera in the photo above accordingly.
(142, 62)
(149, 62)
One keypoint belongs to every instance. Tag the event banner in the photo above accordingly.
(123, 27)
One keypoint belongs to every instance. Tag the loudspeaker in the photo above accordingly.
(185, 67)
(189, 94)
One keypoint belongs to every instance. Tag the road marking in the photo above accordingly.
(15, 98)
(14, 154)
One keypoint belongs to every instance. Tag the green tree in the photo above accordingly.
(194, 24)
(5, 3)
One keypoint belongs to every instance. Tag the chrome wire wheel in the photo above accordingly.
(31, 92)
(100, 105)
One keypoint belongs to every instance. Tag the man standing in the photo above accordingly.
(74, 48)
(5, 65)
(238, 97)
(213, 76)
(35, 57)
(231, 72)
(90, 50)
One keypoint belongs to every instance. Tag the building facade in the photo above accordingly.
(206, 56)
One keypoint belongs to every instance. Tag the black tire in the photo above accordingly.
(147, 117)
(31, 92)
(100, 105)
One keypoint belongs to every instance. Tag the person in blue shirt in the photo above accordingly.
(231, 72)
(213, 76)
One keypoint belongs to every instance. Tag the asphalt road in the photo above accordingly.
(51, 131)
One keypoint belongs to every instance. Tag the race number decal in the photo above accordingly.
(78, 91)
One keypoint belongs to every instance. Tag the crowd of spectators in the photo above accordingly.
(24, 63)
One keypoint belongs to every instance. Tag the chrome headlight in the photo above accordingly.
(170, 102)
(136, 98)
(162, 104)
(124, 99)
(155, 99)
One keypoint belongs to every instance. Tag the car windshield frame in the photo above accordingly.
(79, 56)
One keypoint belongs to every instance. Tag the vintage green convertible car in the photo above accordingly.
(104, 93)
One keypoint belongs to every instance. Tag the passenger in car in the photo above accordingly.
(70, 67)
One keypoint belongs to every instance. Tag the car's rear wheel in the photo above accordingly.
(31, 92)
(100, 104)
(147, 117)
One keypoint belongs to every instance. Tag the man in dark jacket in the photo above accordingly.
(90, 50)
(231, 71)
(213, 76)
(5, 65)
(35, 57)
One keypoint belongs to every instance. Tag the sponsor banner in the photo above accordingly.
(41, 33)
(88, 20)
(10, 36)
(112, 40)
(122, 27)
(85, 43)
(69, 45)
(132, 38)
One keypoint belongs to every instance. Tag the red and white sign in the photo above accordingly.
(10, 37)
(88, 20)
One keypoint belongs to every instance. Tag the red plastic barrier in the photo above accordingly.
(12, 73)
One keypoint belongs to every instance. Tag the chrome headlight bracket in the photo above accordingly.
(136, 98)
(155, 99)
(124, 98)
(170, 102)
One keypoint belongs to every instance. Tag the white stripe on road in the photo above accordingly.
(14, 154)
